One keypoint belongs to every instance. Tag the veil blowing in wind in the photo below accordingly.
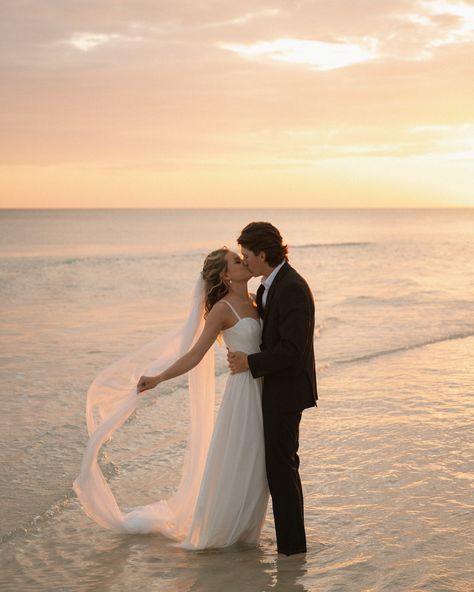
(111, 399)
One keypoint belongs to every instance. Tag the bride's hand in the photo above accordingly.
(147, 382)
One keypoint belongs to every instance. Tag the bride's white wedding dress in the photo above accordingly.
(233, 497)
(223, 495)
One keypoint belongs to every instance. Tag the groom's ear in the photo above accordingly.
(262, 256)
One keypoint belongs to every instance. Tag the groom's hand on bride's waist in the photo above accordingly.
(238, 362)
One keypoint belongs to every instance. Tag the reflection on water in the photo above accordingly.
(109, 562)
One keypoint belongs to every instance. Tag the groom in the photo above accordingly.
(286, 363)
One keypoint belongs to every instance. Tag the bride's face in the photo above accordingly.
(236, 270)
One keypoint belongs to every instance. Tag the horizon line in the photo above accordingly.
(453, 207)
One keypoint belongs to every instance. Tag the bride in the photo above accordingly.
(223, 493)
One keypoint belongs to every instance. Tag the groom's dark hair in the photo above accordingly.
(263, 236)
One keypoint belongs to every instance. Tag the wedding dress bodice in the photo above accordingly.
(244, 336)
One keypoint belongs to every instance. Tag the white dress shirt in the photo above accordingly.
(268, 280)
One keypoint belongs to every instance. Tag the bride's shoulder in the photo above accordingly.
(221, 309)
(222, 303)
(223, 313)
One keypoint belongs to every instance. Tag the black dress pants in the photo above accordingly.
(281, 431)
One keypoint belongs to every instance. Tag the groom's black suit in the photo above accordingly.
(286, 363)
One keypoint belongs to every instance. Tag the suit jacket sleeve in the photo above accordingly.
(296, 320)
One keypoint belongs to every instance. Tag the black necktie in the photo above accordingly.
(260, 307)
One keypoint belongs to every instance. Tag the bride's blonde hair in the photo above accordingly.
(214, 267)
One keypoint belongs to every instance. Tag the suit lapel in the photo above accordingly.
(273, 288)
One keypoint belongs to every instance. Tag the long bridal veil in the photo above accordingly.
(111, 399)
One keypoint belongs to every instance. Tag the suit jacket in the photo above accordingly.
(286, 359)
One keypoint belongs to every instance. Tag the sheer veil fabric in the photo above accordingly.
(111, 399)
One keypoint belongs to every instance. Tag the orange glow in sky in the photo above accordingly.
(247, 104)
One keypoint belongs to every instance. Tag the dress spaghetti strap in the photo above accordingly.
(232, 308)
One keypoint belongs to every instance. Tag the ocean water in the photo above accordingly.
(387, 459)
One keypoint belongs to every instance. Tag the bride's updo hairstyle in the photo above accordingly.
(215, 265)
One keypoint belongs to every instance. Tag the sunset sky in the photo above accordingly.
(152, 103)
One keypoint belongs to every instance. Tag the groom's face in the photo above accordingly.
(253, 262)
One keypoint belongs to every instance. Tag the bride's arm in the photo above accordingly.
(212, 327)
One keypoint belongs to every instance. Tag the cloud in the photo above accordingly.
(310, 145)
(244, 18)
(318, 55)
(462, 22)
(90, 41)
(410, 31)
(437, 23)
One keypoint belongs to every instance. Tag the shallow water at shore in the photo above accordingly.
(388, 487)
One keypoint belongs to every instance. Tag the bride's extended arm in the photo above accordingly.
(212, 327)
